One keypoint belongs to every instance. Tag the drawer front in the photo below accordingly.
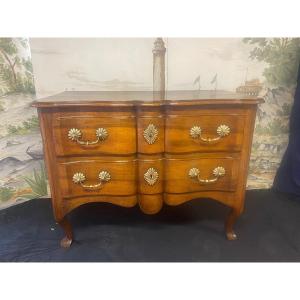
(94, 177)
(92, 134)
(204, 133)
(205, 174)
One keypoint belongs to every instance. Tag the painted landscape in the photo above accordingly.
(22, 172)
(281, 56)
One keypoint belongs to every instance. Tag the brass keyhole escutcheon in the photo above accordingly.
(151, 176)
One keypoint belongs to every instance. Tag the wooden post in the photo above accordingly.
(159, 52)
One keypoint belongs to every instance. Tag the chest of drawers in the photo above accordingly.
(128, 149)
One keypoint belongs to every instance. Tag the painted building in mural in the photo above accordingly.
(264, 67)
(250, 88)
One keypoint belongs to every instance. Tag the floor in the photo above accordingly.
(269, 230)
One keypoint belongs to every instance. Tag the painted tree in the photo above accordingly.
(282, 56)
(15, 71)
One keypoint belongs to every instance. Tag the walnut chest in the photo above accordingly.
(130, 148)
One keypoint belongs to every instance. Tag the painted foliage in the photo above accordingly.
(281, 56)
(260, 66)
(22, 173)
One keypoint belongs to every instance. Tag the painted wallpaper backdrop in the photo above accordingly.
(44, 66)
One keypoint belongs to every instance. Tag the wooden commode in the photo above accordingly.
(129, 148)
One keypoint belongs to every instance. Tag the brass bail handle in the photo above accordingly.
(80, 178)
(222, 131)
(75, 135)
(217, 172)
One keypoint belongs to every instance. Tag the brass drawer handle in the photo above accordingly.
(150, 134)
(75, 134)
(217, 173)
(79, 178)
(222, 131)
(151, 176)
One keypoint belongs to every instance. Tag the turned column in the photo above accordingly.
(159, 52)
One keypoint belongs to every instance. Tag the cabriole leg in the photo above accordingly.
(67, 240)
(231, 219)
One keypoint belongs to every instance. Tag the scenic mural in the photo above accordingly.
(22, 172)
(281, 57)
(43, 66)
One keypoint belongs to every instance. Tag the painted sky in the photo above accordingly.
(91, 64)
(228, 57)
(126, 63)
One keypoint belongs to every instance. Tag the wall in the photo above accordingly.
(19, 129)
(126, 64)
(91, 64)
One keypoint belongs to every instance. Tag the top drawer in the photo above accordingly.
(93, 134)
(204, 133)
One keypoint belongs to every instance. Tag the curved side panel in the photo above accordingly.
(124, 201)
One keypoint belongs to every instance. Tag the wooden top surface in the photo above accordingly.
(147, 98)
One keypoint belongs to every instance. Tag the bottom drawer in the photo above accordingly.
(97, 177)
(205, 174)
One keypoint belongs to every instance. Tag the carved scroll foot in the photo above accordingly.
(65, 242)
(68, 239)
(231, 236)
(232, 217)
